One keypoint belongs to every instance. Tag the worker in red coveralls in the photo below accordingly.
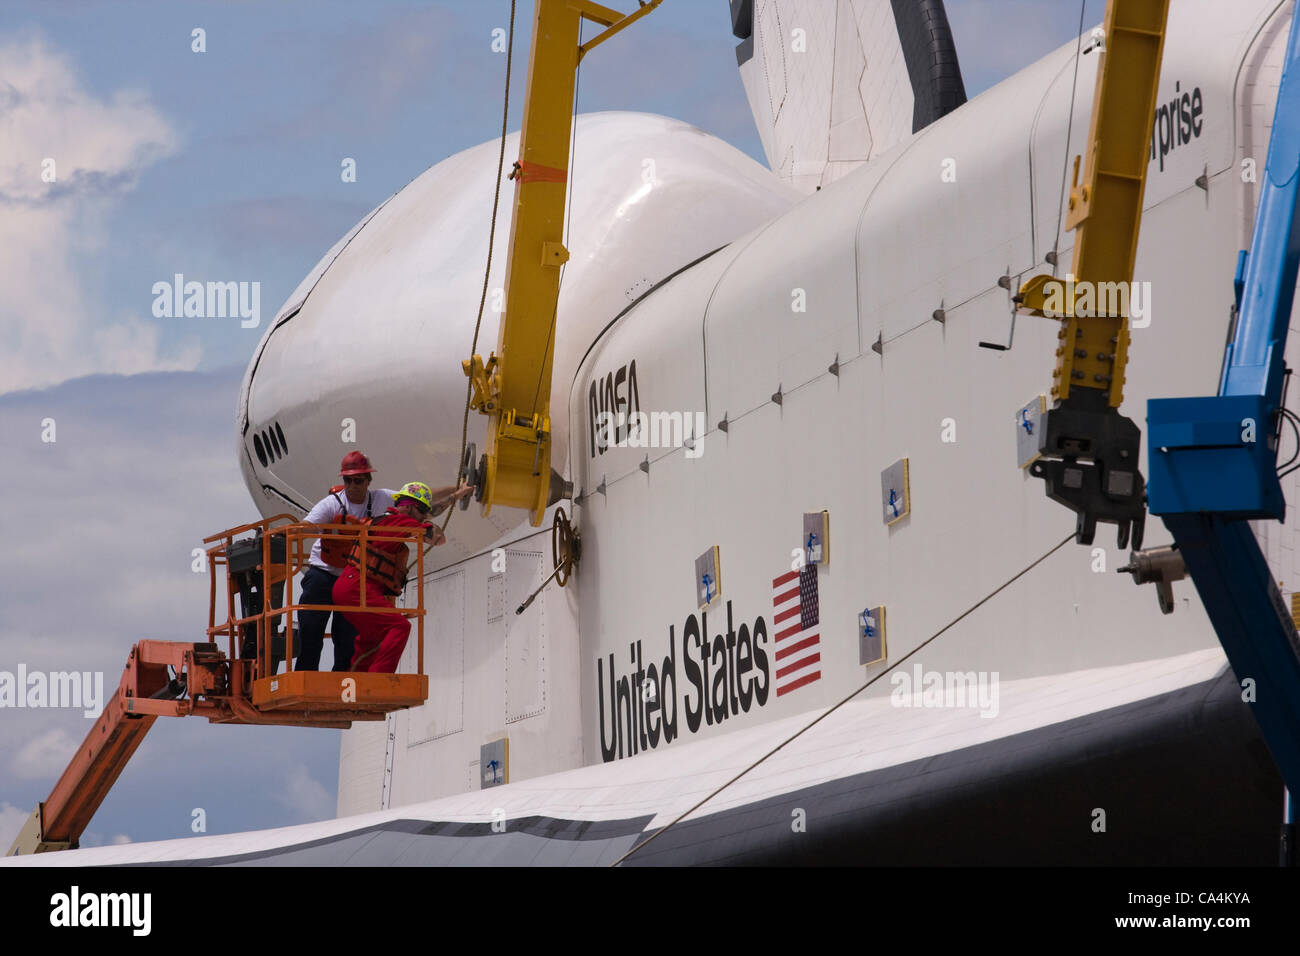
(382, 637)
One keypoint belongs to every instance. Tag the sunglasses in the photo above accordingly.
(355, 479)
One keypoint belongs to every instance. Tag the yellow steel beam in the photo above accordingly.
(596, 13)
(1107, 209)
(514, 386)
(622, 24)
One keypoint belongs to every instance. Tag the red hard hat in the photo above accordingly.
(355, 463)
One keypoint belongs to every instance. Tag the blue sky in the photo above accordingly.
(225, 165)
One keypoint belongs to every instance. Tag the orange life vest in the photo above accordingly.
(381, 564)
(334, 548)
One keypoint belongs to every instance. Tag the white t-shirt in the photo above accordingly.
(327, 511)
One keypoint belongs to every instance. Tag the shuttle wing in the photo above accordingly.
(937, 785)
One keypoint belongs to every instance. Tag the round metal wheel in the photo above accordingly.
(561, 547)
(466, 475)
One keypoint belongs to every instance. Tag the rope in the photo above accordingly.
(1002, 587)
(1069, 124)
(487, 270)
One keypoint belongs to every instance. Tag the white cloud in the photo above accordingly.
(143, 467)
(44, 756)
(305, 796)
(92, 838)
(49, 318)
(11, 821)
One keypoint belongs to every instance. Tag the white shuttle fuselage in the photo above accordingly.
(819, 340)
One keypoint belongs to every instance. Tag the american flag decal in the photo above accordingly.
(794, 604)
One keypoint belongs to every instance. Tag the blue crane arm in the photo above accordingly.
(1254, 363)
(1213, 460)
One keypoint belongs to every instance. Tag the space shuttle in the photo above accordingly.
(747, 356)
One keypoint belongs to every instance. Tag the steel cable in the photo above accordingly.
(1002, 587)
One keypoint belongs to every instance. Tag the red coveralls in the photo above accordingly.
(386, 631)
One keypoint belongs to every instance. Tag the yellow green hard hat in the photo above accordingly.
(416, 491)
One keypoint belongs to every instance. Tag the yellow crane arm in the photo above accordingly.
(1089, 451)
(1107, 209)
(513, 388)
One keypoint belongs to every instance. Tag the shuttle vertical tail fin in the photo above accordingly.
(833, 83)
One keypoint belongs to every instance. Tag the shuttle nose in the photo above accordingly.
(367, 353)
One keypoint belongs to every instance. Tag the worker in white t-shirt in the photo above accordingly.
(360, 501)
